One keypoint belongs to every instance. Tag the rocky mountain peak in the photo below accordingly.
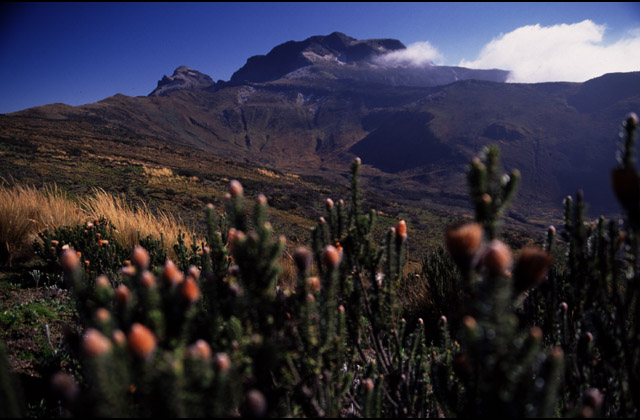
(293, 55)
(183, 78)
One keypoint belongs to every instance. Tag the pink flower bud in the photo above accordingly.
(69, 260)
(102, 281)
(102, 315)
(536, 333)
(496, 258)
(313, 283)
(221, 362)
(95, 344)
(235, 188)
(368, 384)
(254, 404)
(303, 258)
(199, 350)
(123, 295)
(140, 257)
(331, 257)
(148, 280)
(118, 337)
(171, 274)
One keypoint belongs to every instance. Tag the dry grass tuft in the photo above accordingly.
(129, 220)
(25, 211)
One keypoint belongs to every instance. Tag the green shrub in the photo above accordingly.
(542, 332)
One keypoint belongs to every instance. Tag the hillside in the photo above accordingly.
(312, 116)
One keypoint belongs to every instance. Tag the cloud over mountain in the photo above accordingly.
(417, 54)
(567, 52)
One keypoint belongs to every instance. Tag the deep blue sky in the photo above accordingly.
(78, 53)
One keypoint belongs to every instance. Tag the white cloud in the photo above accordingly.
(417, 54)
(571, 53)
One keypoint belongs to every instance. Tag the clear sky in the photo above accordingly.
(78, 53)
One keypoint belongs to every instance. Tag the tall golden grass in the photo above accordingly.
(131, 221)
(26, 211)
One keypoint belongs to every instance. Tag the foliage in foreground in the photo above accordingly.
(549, 331)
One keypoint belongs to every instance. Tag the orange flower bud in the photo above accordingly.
(368, 384)
(313, 283)
(557, 353)
(171, 274)
(102, 281)
(65, 387)
(194, 272)
(128, 270)
(123, 295)
(331, 257)
(463, 241)
(199, 350)
(536, 333)
(531, 268)
(189, 290)
(469, 322)
(593, 397)
(142, 342)
(147, 279)
(303, 258)
(69, 260)
(235, 236)
(401, 229)
(102, 315)
(221, 362)
(95, 344)
(118, 337)
(496, 258)
(140, 257)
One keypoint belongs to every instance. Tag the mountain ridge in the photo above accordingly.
(414, 140)
(334, 56)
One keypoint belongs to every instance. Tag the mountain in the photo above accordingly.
(183, 78)
(309, 107)
(338, 56)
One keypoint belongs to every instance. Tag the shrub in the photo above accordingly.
(511, 332)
